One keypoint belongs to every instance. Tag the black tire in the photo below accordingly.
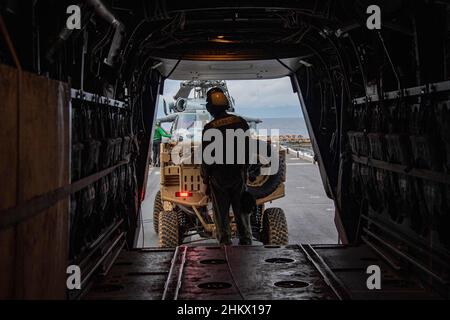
(157, 208)
(182, 220)
(169, 231)
(271, 184)
(274, 227)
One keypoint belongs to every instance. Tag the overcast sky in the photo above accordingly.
(254, 98)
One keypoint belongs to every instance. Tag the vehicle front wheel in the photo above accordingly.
(157, 208)
(169, 229)
(274, 227)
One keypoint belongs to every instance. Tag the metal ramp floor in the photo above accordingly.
(294, 272)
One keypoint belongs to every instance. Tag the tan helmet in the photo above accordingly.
(216, 98)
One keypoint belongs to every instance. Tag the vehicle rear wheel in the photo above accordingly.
(274, 227)
(169, 231)
(157, 208)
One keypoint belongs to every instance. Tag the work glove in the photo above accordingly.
(253, 172)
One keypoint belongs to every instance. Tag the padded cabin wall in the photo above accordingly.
(34, 124)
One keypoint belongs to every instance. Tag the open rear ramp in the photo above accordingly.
(294, 272)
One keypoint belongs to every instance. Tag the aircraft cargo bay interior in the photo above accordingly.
(224, 150)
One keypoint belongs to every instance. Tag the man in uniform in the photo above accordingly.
(157, 138)
(225, 182)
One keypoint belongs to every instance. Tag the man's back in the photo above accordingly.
(226, 168)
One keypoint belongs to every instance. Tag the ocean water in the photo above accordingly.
(285, 125)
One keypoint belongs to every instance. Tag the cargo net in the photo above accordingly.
(400, 174)
(102, 139)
